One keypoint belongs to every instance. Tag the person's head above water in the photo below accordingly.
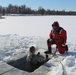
(32, 49)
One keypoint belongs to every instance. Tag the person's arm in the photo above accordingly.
(50, 35)
(64, 34)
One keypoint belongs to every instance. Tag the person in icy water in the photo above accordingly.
(35, 60)
(58, 36)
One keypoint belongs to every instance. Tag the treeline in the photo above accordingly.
(14, 9)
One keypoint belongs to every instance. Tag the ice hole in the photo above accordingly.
(22, 65)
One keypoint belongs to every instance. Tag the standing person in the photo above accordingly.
(58, 36)
(35, 60)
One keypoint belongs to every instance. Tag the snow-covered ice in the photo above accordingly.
(18, 33)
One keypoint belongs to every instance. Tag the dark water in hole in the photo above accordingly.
(22, 65)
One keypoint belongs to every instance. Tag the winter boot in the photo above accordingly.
(49, 51)
(66, 47)
(47, 58)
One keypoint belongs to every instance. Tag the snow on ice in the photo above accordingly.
(18, 33)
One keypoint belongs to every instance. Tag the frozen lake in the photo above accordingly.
(37, 25)
(18, 33)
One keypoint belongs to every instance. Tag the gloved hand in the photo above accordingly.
(63, 45)
(38, 53)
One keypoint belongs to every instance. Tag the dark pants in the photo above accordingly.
(50, 42)
(60, 48)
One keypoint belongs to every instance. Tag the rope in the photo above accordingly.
(61, 64)
(62, 68)
(60, 61)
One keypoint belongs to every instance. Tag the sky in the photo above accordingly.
(68, 5)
